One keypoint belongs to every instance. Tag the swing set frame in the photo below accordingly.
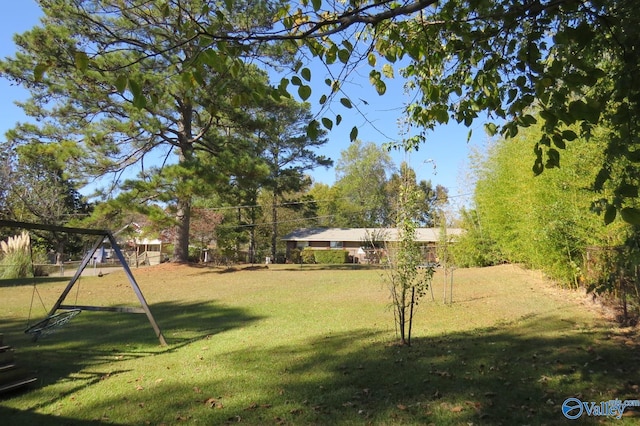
(54, 318)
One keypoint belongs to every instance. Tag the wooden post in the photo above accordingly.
(137, 290)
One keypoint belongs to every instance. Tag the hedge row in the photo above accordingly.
(309, 255)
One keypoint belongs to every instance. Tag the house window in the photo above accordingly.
(302, 244)
(335, 244)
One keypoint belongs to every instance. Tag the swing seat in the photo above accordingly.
(47, 325)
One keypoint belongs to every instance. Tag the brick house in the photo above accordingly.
(361, 243)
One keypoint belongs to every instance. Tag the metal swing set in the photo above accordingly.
(62, 313)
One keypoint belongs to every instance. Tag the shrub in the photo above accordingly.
(295, 256)
(16, 257)
(308, 256)
(331, 256)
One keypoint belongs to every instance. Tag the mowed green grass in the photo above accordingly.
(310, 345)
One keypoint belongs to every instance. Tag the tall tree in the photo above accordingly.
(289, 152)
(36, 189)
(333, 211)
(362, 172)
(575, 59)
(112, 82)
(430, 201)
(543, 221)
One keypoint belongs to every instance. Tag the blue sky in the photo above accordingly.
(442, 159)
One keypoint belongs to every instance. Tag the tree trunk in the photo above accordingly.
(183, 219)
(274, 228)
(252, 237)
(183, 202)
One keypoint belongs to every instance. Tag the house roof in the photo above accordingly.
(366, 234)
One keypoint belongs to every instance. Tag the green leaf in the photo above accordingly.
(121, 83)
(627, 190)
(38, 71)
(569, 135)
(346, 103)
(295, 80)
(330, 54)
(602, 176)
(528, 120)
(559, 141)
(304, 92)
(609, 214)
(166, 10)
(633, 156)
(317, 4)
(553, 159)
(135, 88)
(139, 101)
(198, 77)
(372, 59)
(374, 78)
(580, 110)
(338, 119)
(327, 123)
(210, 57)
(630, 215)
(312, 129)
(323, 99)
(387, 70)
(491, 129)
(82, 61)
(390, 54)
(306, 74)
(343, 55)
(441, 115)
(353, 135)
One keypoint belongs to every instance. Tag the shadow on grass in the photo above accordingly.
(30, 281)
(332, 267)
(95, 338)
(518, 373)
(16, 417)
(507, 375)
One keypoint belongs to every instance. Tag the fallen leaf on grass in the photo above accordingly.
(401, 407)
(457, 409)
(213, 403)
(474, 404)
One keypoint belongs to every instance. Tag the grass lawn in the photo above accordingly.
(292, 345)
